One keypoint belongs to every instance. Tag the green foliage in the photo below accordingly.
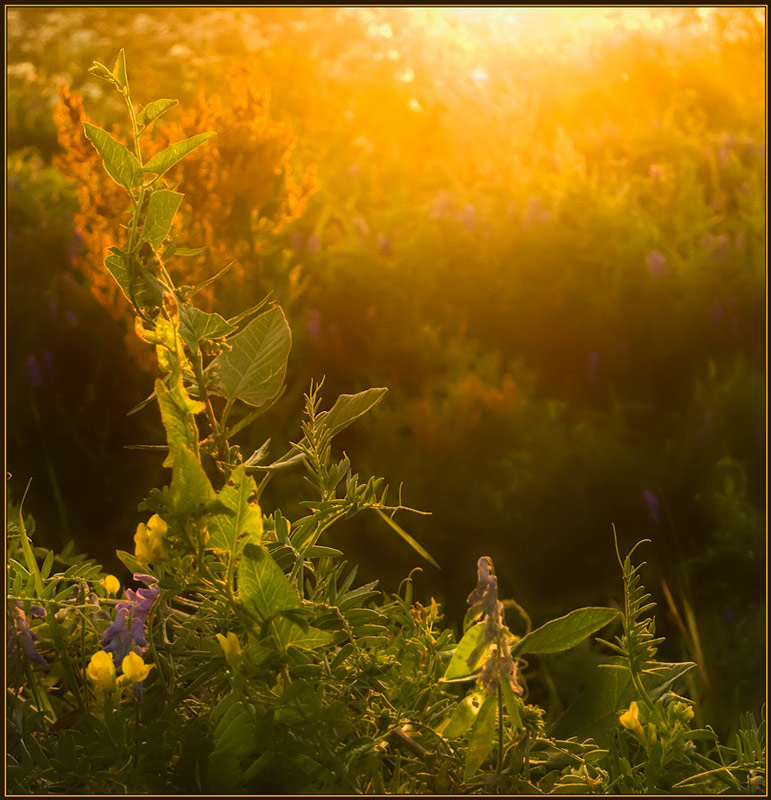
(251, 662)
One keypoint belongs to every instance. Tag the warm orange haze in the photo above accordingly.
(542, 229)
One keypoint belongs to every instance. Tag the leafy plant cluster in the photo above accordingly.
(248, 659)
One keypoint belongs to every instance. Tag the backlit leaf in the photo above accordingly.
(262, 585)
(167, 158)
(120, 163)
(161, 209)
(565, 632)
(239, 496)
(459, 665)
(253, 369)
(153, 111)
(482, 733)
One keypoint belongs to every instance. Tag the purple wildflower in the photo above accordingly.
(652, 504)
(128, 627)
(19, 632)
(657, 263)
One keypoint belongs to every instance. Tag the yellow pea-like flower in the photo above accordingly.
(231, 647)
(134, 668)
(148, 540)
(101, 670)
(111, 584)
(630, 719)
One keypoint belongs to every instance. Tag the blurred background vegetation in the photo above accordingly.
(542, 229)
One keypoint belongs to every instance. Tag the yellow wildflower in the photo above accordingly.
(101, 670)
(630, 719)
(134, 668)
(148, 540)
(111, 584)
(231, 647)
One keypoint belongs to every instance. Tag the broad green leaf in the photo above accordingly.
(565, 632)
(139, 287)
(291, 635)
(482, 733)
(119, 71)
(130, 562)
(190, 491)
(181, 430)
(239, 496)
(349, 407)
(262, 585)
(153, 111)
(161, 209)
(412, 542)
(253, 369)
(167, 158)
(464, 715)
(120, 163)
(196, 325)
(459, 665)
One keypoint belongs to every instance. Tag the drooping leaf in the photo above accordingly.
(459, 666)
(262, 586)
(253, 369)
(167, 158)
(161, 209)
(120, 163)
(482, 733)
(153, 111)
(565, 632)
(464, 715)
(195, 326)
(190, 490)
(513, 704)
(239, 496)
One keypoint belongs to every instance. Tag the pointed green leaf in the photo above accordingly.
(513, 704)
(187, 252)
(119, 71)
(239, 496)
(464, 715)
(565, 632)
(181, 430)
(349, 407)
(412, 542)
(121, 165)
(291, 635)
(482, 733)
(161, 209)
(153, 111)
(253, 370)
(190, 491)
(196, 326)
(167, 158)
(129, 561)
(262, 585)
(99, 70)
(471, 642)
